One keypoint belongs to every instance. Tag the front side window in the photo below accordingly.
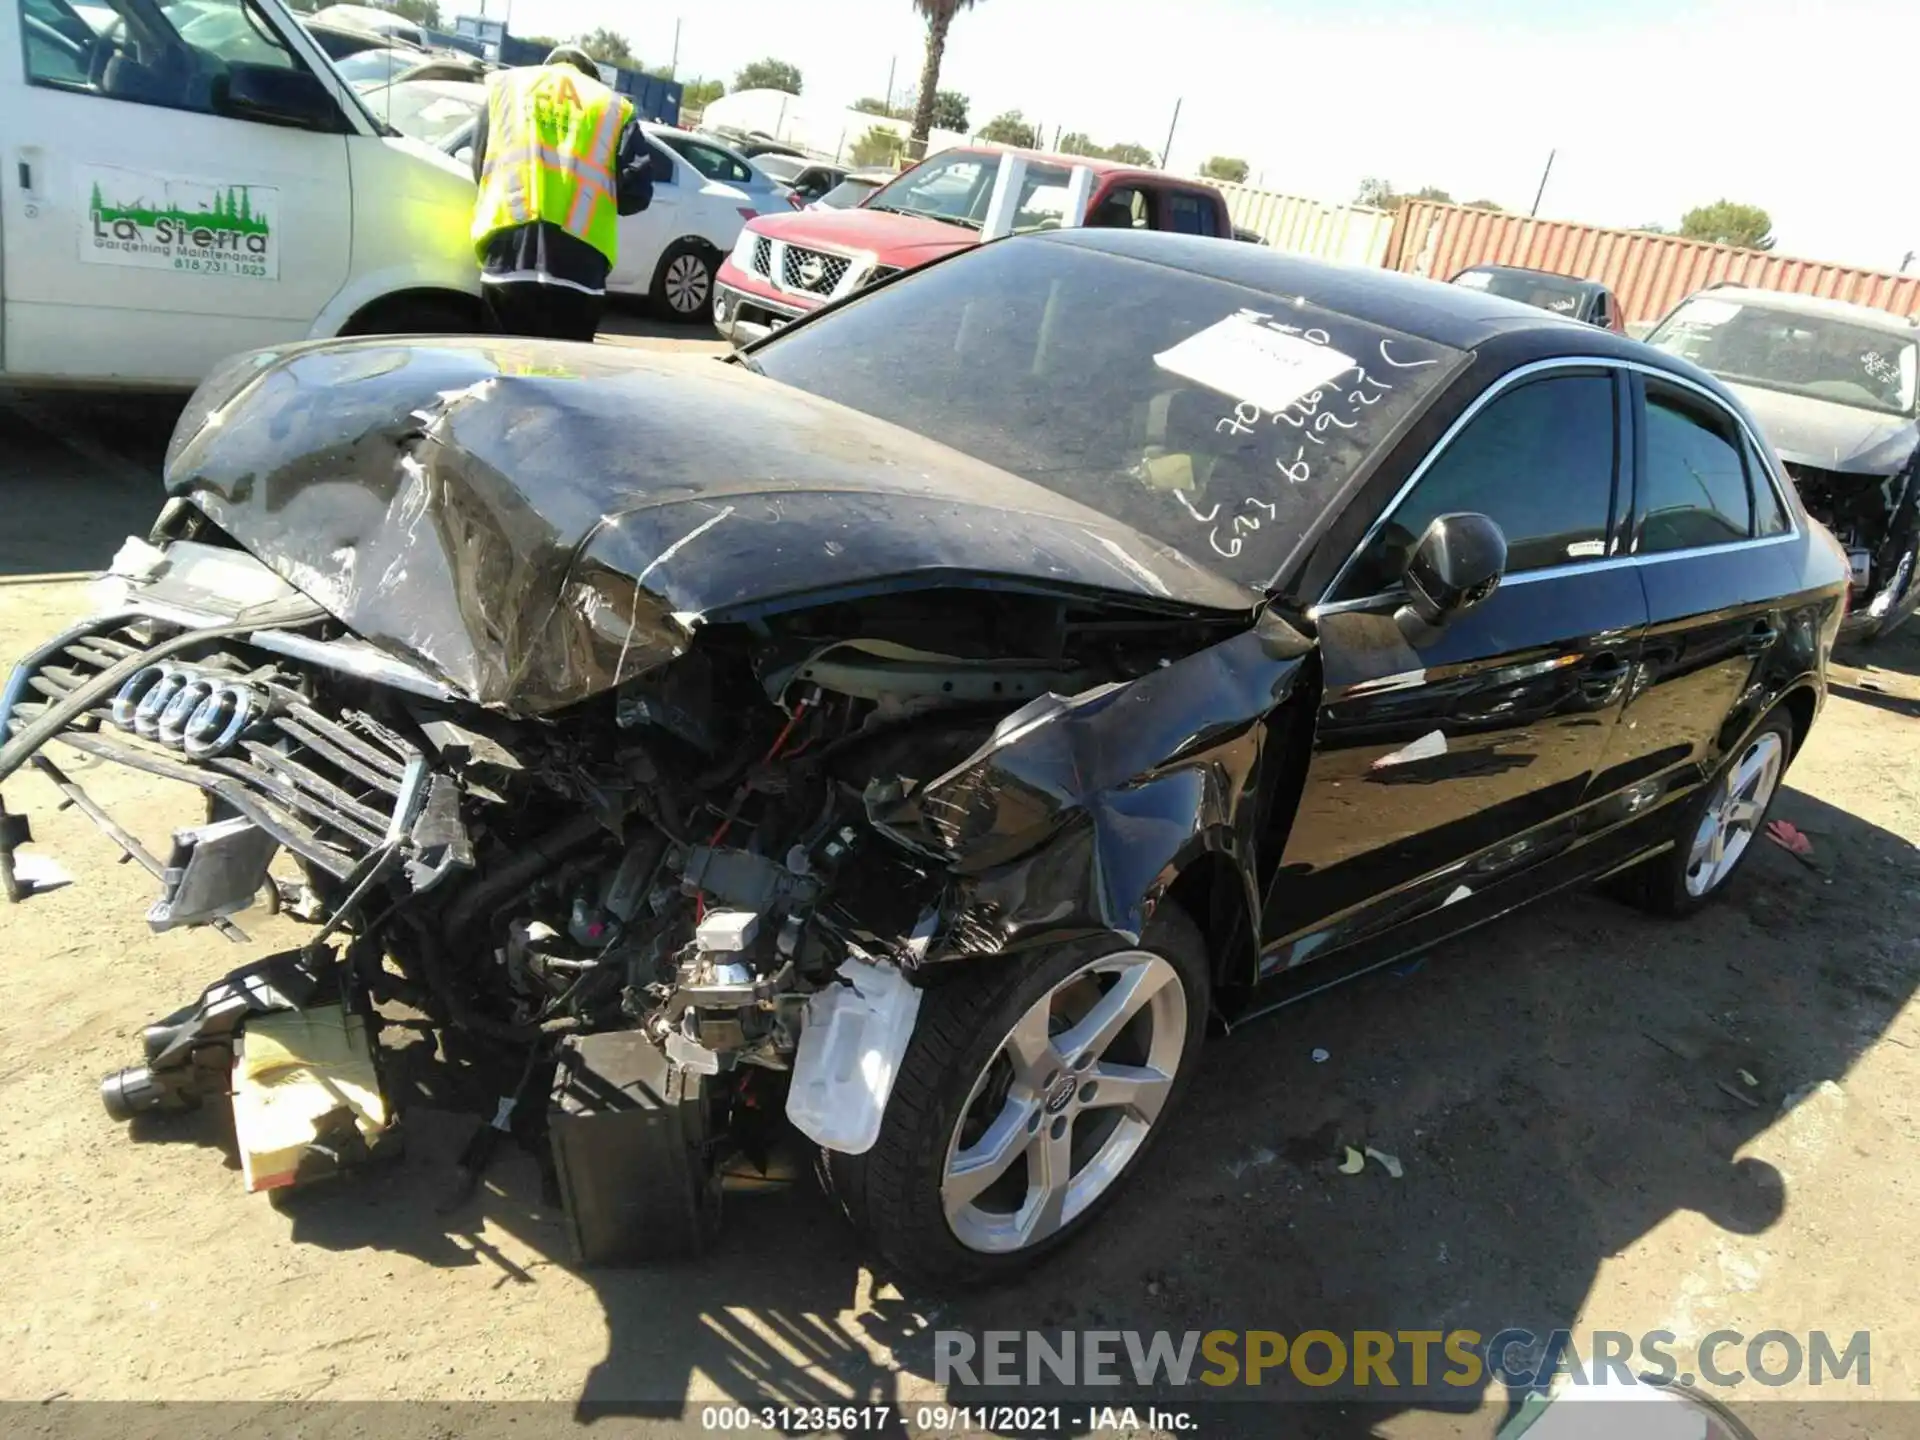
(1217, 420)
(182, 55)
(1823, 357)
(1538, 461)
(1693, 491)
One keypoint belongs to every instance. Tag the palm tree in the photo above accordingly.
(939, 15)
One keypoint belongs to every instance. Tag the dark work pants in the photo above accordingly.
(552, 312)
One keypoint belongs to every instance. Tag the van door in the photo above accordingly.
(176, 188)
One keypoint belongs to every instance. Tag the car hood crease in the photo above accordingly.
(535, 523)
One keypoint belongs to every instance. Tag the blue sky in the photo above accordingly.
(1654, 107)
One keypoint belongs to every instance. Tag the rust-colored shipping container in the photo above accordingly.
(1649, 273)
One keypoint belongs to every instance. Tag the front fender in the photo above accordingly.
(1078, 814)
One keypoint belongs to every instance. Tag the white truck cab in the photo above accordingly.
(184, 179)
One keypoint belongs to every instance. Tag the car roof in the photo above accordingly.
(1451, 315)
(1809, 305)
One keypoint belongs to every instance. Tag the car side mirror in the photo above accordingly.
(275, 95)
(1455, 567)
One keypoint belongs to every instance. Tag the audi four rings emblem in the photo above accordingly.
(188, 710)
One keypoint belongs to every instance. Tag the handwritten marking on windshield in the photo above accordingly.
(1402, 364)
(1206, 519)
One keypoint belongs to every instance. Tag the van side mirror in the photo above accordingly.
(1455, 567)
(274, 95)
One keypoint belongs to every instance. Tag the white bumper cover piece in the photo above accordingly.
(850, 1051)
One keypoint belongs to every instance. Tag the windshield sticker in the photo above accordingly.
(1340, 400)
(1473, 280)
(144, 221)
(1246, 359)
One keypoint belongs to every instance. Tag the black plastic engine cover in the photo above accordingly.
(629, 1133)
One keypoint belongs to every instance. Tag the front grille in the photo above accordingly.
(814, 271)
(325, 783)
(762, 256)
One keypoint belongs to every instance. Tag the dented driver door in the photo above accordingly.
(1441, 769)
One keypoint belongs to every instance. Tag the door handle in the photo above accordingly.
(1761, 640)
(25, 172)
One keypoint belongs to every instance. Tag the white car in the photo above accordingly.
(377, 22)
(192, 179)
(703, 194)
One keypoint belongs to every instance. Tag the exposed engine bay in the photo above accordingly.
(1872, 516)
(743, 856)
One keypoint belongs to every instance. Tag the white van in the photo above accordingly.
(188, 178)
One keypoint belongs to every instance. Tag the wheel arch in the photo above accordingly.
(1802, 704)
(367, 319)
(1215, 892)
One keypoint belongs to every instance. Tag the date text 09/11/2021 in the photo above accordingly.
(939, 1420)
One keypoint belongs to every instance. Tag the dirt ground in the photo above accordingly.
(1563, 1089)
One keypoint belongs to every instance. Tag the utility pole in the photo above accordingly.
(673, 66)
(1170, 129)
(1543, 182)
(887, 95)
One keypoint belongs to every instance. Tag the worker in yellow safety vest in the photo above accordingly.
(559, 157)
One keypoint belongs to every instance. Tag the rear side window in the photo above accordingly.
(1189, 214)
(712, 163)
(1538, 461)
(1693, 491)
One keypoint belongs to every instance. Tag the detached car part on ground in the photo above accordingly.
(1836, 387)
(925, 723)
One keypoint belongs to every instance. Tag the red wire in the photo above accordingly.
(700, 901)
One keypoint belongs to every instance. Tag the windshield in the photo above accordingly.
(1559, 293)
(956, 186)
(428, 110)
(1820, 356)
(847, 194)
(375, 67)
(1182, 405)
(781, 167)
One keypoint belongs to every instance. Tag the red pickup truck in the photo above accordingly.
(784, 266)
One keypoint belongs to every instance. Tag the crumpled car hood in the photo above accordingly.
(534, 523)
(1828, 435)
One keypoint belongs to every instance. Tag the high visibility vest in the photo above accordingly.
(552, 136)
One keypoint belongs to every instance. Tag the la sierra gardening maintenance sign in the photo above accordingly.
(160, 222)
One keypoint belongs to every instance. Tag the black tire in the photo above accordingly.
(1661, 885)
(419, 315)
(893, 1193)
(683, 283)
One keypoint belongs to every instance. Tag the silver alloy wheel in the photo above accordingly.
(687, 284)
(1065, 1102)
(1740, 798)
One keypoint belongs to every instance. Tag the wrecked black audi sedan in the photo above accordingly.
(927, 722)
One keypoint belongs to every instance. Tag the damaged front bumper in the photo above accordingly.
(671, 977)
